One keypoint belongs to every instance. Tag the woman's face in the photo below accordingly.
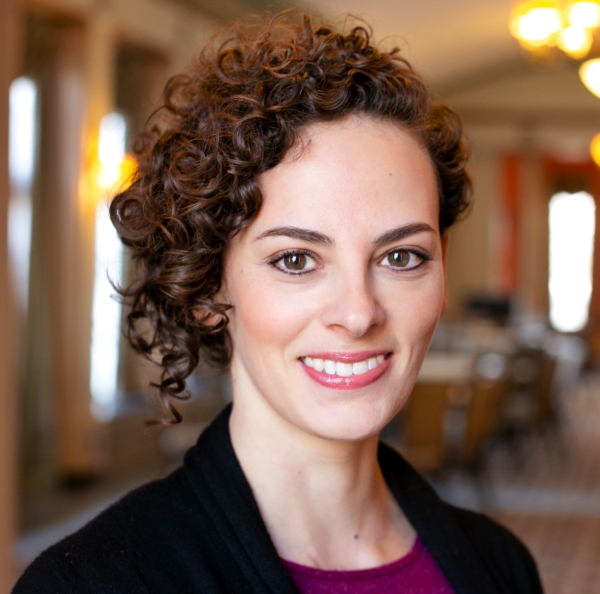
(338, 283)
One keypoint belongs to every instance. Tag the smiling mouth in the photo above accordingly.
(341, 368)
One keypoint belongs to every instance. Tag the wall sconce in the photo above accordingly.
(595, 149)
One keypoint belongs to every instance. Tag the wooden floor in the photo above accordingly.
(566, 548)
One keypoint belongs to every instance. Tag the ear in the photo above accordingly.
(445, 242)
(207, 316)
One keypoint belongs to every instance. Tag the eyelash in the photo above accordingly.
(273, 261)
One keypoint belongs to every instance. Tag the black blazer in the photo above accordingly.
(199, 530)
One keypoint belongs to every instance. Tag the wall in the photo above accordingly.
(529, 113)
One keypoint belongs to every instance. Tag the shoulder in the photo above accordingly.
(468, 545)
(503, 554)
(123, 546)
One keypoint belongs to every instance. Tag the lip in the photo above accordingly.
(353, 382)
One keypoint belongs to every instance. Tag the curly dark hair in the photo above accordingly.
(234, 114)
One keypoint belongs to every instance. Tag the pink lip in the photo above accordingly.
(353, 382)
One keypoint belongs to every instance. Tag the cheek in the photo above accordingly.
(414, 310)
(264, 314)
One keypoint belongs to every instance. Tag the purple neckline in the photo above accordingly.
(358, 574)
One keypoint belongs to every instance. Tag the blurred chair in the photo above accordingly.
(570, 354)
(530, 398)
(423, 421)
(483, 420)
(490, 386)
(547, 405)
(496, 308)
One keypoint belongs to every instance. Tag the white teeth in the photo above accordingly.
(330, 367)
(360, 367)
(343, 369)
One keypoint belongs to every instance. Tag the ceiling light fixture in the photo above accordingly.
(540, 26)
(589, 72)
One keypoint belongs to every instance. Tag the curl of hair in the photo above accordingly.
(233, 115)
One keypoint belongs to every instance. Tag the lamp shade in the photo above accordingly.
(595, 149)
(589, 72)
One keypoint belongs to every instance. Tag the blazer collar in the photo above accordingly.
(226, 496)
(438, 530)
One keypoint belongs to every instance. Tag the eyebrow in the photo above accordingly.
(402, 232)
(322, 239)
(298, 233)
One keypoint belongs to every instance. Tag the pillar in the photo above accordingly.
(8, 391)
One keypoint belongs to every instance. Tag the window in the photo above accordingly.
(22, 147)
(571, 220)
(106, 311)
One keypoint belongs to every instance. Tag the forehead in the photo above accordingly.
(360, 173)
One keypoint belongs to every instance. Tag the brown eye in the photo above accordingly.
(399, 259)
(294, 261)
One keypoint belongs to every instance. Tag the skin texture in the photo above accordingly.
(308, 450)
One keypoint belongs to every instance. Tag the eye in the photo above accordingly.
(294, 263)
(404, 259)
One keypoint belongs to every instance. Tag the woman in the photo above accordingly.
(290, 217)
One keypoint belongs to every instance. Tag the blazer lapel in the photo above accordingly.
(227, 498)
(437, 529)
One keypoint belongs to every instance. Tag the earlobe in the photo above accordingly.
(208, 318)
(212, 313)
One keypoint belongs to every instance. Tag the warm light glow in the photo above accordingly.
(111, 150)
(595, 149)
(571, 219)
(541, 25)
(536, 22)
(589, 72)
(584, 14)
(575, 42)
(127, 170)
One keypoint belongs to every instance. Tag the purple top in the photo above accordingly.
(415, 573)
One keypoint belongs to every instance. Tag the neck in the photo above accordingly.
(325, 503)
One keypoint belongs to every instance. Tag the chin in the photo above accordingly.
(352, 421)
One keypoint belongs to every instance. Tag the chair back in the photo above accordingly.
(424, 416)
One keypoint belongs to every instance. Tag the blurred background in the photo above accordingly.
(505, 415)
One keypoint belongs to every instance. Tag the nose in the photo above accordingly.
(352, 305)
